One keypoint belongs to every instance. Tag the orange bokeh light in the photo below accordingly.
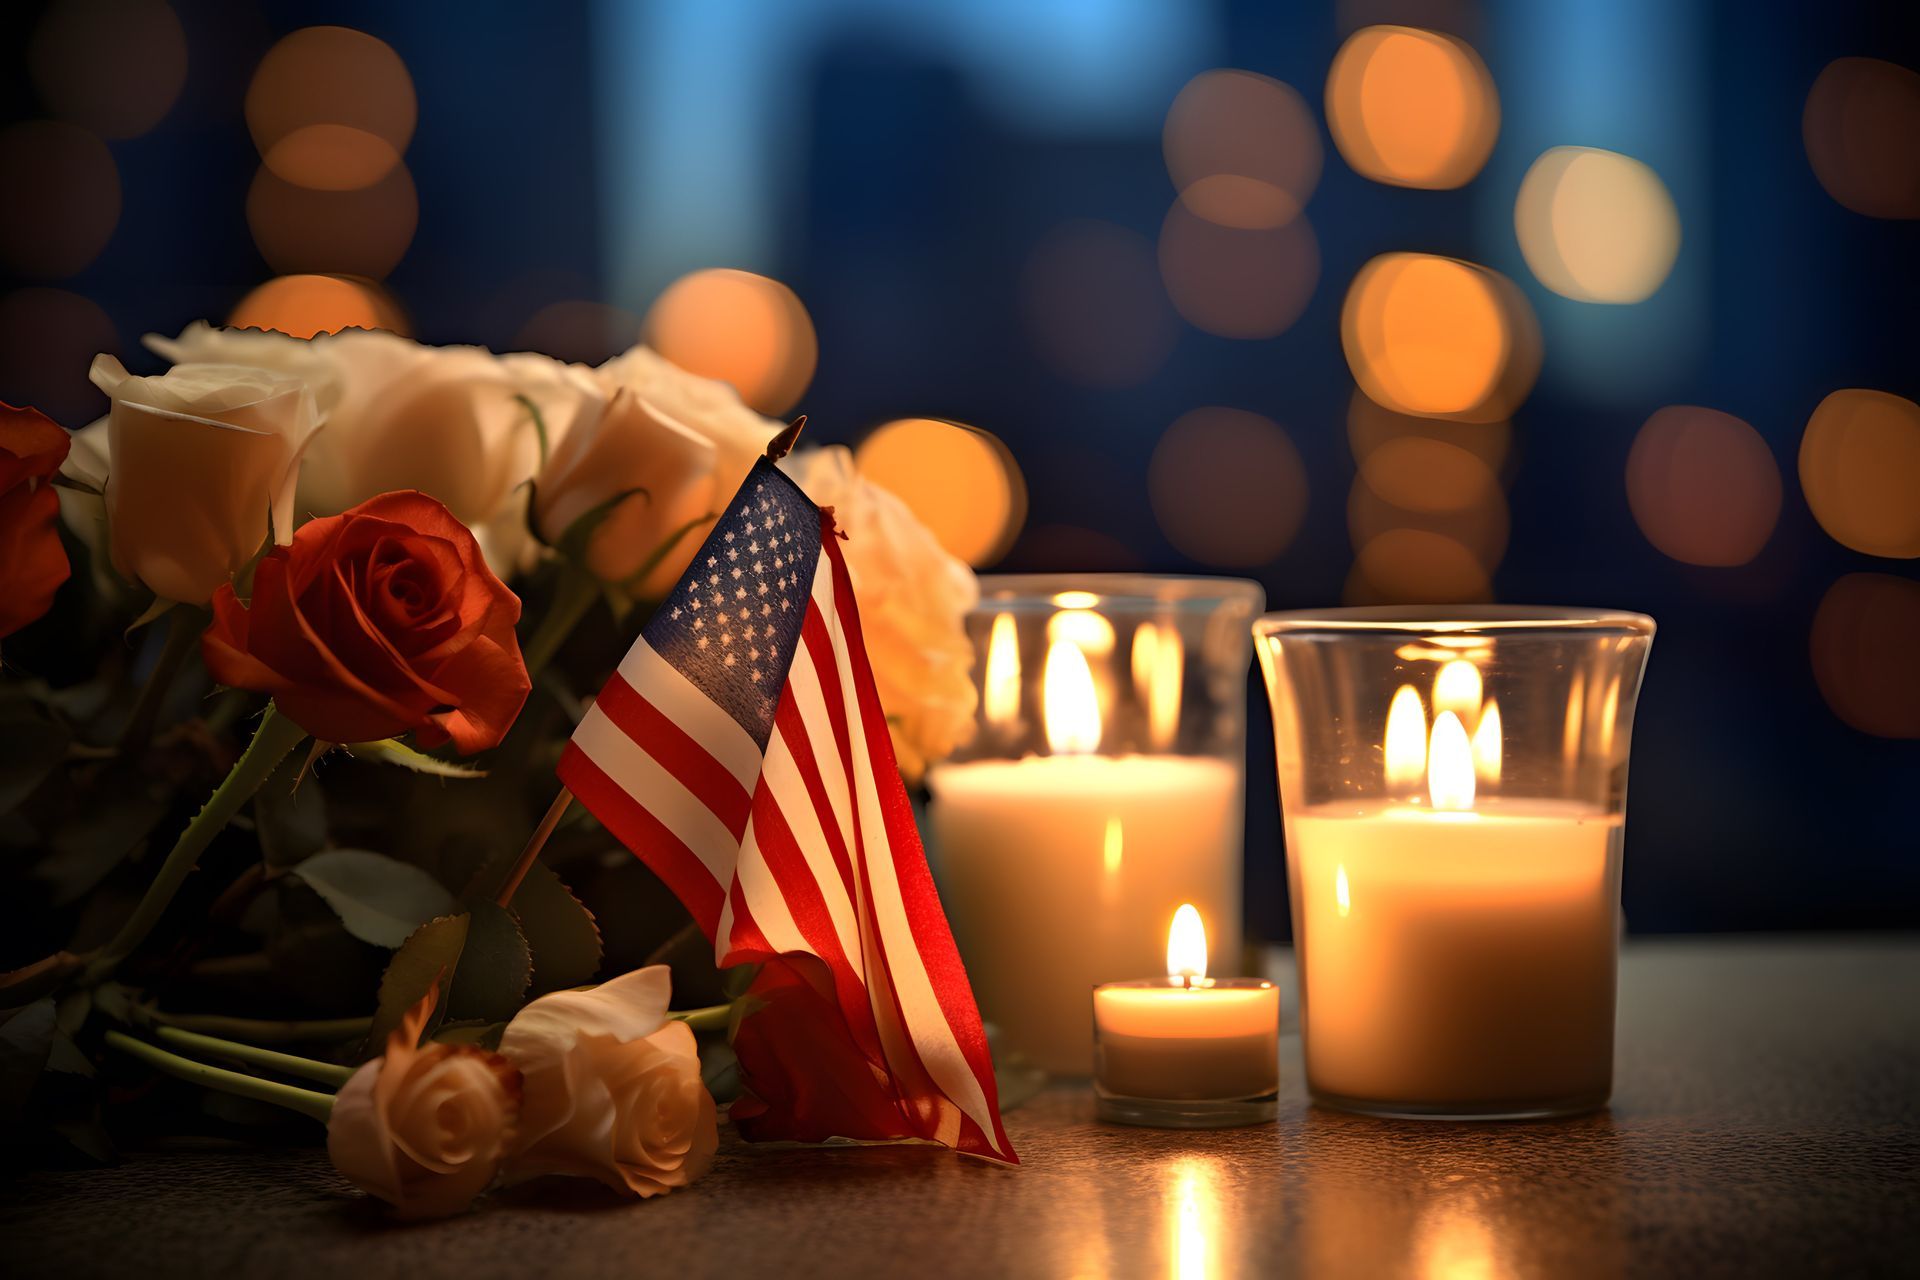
(1865, 635)
(115, 67)
(62, 198)
(1094, 307)
(1860, 471)
(1228, 487)
(304, 305)
(1481, 526)
(1861, 127)
(960, 481)
(1237, 283)
(362, 232)
(1440, 338)
(1416, 566)
(1369, 427)
(1411, 108)
(738, 328)
(1703, 486)
(331, 108)
(1242, 149)
(48, 339)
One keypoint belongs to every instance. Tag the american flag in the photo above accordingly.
(741, 751)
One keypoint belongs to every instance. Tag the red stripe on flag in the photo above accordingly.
(678, 752)
(792, 728)
(649, 838)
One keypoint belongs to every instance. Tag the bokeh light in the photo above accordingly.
(331, 108)
(1076, 548)
(62, 198)
(1860, 471)
(1237, 283)
(1411, 108)
(1596, 226)
(1861, 127)
(1094, 307)
(1228, 487)
(960, 481)
(1415, 566)
(1703, 486)
(1480, 527)
(1441, 338)
(1418, 473)
(48, 339)
(1865, 635)
(114, 67)
(361, 232)
(1371, 426)
(1242, 149)
(579, 331)
(738, 328)
(304, 305)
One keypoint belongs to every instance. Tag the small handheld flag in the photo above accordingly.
(741, 752)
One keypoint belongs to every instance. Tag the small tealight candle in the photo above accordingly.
(1186, 1051)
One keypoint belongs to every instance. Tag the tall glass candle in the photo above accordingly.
(1453, 793)
(1104, 786)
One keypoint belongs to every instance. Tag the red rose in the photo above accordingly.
(33, 564)
(377, 621)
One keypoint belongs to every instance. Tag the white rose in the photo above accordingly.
(613, 1090)
(196, 461)
(713, 409)
(914, 598)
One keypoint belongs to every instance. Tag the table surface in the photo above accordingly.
(1766, 1120)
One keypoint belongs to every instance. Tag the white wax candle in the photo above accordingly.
(1457, 957)
(1162, 1040)
(1060, 872)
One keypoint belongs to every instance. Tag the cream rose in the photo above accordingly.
(196, 462)
(711, 409)
(425, 1128)
(613, 1091)
(616, 448)
(914, 599)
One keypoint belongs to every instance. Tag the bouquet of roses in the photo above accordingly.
(292, 639)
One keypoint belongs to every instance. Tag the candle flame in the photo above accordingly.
(1187, 945)
(1486, 743)
(1114, 849)
(1159, 665)
(1090, 631)
(1070, 703)
(1001, 694)
(1342, 896)
(1457, 689)
(1450, 765)
(1075, 600)
(1406, 741)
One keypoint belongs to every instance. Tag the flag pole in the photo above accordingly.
(777, 448)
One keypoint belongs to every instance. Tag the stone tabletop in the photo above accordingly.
(1766, 1121)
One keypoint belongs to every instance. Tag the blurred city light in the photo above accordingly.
(364, 231)
(1094, 306)
(1242, 149)
(738, 328)
(1439, 337)
(48, 338)
(1703, 486)
(114, 67)
(1228, 487)
(62, 198)
(1411, 108)
(304, 305)
(579, 331)
(960, 481)
(1860, 471)
(1596, 226)
(1233, 282)
(1370, 426)
(1415, 566)
(1861, 127)
(1480, 527)
(1417, 473)
(331, 108)
(1865, 635)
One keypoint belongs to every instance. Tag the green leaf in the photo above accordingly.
(560, 932)
(472, 1031)
(495, 966)
(379, 899)
(393, 751)
(539, 427)
(32, 745)
(93, 842)
(426, 957)
(573, 543)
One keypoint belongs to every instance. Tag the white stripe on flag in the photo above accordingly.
(790, 793)
(638, 774)
(765, 903)
(703, 720)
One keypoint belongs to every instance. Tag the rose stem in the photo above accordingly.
(712, 1018)
(263, 1030)
(535, 843)
(289, 1064)
(307, 1102)
(272, 740)
(184, 625)
(573, 595)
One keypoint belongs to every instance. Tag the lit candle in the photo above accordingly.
(1058, 871)
(1187, 1049)
(1457, 949)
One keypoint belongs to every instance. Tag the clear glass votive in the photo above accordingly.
(1197, 1054)
(1103, 787)
(1453, 788)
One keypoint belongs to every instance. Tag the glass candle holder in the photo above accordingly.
(1103, 787)
(1453, 790)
